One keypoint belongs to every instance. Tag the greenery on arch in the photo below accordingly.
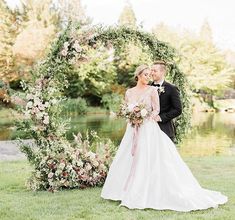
(58, 162)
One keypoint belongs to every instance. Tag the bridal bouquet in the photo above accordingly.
(134, 113)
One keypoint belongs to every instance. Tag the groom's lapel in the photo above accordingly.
(164, 83)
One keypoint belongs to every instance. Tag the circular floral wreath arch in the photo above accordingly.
(59, 163)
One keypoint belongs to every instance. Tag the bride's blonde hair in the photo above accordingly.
(139, 70)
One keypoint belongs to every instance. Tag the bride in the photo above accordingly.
(153, 175)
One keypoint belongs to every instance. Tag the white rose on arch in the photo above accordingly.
(77, 46)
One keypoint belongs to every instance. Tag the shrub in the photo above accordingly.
(112, 101)
(76, 106)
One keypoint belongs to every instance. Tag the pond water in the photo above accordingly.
(211, 134)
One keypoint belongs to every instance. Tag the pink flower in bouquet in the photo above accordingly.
(136, 109)
(134, 113)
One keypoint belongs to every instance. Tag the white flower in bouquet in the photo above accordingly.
(143, 112)
(134, 113)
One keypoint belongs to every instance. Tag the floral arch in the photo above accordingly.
(57, 162)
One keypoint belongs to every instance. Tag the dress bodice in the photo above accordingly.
(149, 97)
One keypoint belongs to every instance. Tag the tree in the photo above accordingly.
(72, 10)
(9, 28)
(206, 32)
(93, 78)
(204, 64)
(230, 57)
(38, 30)
(127, 17)
(129, 57)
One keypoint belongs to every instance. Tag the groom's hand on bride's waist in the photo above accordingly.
(157, 118)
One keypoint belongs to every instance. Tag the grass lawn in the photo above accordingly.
(17, 203)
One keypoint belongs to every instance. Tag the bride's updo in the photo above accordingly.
(139, 70)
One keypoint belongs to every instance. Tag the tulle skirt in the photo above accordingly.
(156, 176)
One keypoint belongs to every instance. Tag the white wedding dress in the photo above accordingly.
(155, 177)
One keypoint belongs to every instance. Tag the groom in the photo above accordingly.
(169, 96)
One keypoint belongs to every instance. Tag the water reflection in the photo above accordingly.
(212, 133)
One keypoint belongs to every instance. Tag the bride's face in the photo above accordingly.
(144, 77)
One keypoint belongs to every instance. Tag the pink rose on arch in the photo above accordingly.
(64, 53)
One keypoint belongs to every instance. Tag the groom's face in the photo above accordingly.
(158, 72)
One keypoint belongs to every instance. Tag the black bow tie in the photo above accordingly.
(156, 84)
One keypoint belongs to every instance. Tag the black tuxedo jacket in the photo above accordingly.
(170, 108)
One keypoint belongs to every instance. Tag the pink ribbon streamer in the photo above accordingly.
(135, 139)
(133, 153)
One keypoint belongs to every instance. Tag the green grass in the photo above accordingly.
(17, 203)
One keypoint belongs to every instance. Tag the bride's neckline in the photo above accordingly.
(141, 94)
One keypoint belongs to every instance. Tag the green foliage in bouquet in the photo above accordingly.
(57, 162)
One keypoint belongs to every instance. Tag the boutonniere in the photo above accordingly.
(161, 89)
